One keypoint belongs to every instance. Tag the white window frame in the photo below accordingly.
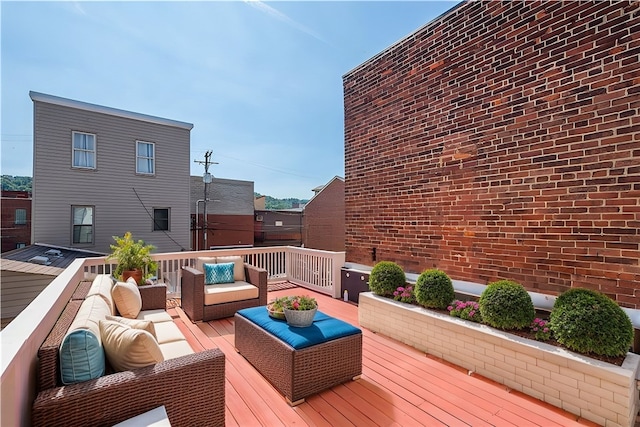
(21, 221)
(82, 224)
(146, 158)
(92, 153)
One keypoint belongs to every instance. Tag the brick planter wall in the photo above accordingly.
(502, 140)
(597, 391)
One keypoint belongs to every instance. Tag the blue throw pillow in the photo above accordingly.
(218, 273)
(81, 357)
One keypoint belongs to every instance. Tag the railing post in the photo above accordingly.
(337, 263)
(287, 263)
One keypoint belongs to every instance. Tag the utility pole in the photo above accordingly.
(206, 178)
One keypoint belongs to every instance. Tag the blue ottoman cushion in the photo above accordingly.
(323, 329)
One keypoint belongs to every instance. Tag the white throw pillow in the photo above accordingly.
(145, 325)
(127, 297)
(128, 348)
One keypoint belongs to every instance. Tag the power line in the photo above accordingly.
(154, 220)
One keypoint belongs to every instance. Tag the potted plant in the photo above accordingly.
(298, 310)
(133, 257)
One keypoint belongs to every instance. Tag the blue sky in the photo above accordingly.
(260, 81)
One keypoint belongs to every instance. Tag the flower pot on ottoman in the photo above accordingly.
(300, 318)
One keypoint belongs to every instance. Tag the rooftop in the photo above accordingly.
(399, 384)
(48, 255)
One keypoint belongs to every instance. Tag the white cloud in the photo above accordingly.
(284, 18)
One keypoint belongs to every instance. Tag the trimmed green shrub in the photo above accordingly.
(506, 305)
(434, 289)
(588, 321)
(386, 277)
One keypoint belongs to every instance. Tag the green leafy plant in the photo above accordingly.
(434, 289)
(467, 310)
(506, 305)
(405, 294)
(132, 255)
(588, 321)
(386, 277)
(297, 302)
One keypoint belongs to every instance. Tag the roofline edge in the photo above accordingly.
(66, 102)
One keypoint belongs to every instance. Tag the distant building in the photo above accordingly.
(15, 230)
(100, 171)
(281, 227)
(324, 217)
(260, 203)
(229, 213)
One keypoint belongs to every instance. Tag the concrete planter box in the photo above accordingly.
(597, 391)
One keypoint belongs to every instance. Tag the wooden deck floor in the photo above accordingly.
(400, 386)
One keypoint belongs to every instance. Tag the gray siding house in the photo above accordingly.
(99, 172)
(229, 213)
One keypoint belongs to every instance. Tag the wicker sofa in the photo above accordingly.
(191, 386)
(204, 302)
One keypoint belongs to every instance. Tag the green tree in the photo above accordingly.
(16, 183)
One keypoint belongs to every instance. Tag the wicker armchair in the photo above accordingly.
(191, 387)
(192, 297)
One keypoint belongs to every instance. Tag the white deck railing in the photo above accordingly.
(20, 340)
(311, 268)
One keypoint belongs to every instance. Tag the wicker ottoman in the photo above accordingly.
(299, 362)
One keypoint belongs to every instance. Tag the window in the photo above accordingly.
(145, 158)
(82, 224)
(84, 150)
(21, 245)
(160, 219)
(21, 216)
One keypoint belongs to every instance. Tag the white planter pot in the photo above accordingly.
(300, 318)
(598, 391)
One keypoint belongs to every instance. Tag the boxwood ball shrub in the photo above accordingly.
(588, 321)
(385, 278)
(506, 305)
(434, 289)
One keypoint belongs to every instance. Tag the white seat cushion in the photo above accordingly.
(167, 332)
(155, 316)
(228, 292)
(174, 349)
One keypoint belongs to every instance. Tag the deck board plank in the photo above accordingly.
(400, 386)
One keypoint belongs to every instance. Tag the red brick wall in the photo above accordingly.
(502, 141)
(12, 233)
(223, 230)
(324, 219)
